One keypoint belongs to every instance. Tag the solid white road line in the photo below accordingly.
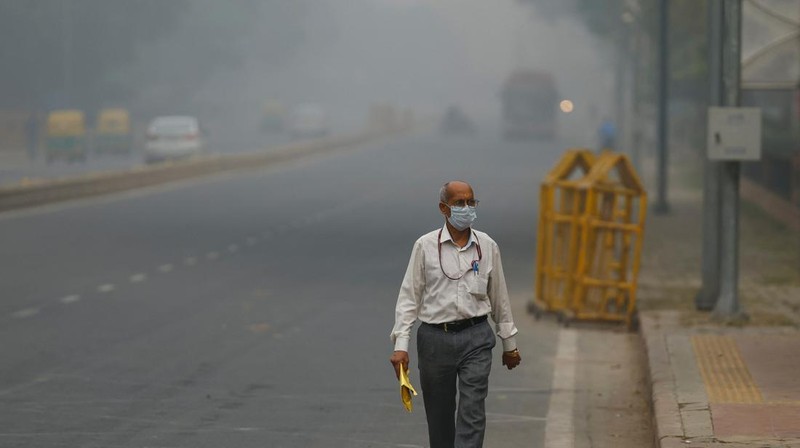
(252, 241)
(165, 268)
(190, 261)
(70, 299)
(559, 430)
(212, 255)
(233, 248)
(25, 313)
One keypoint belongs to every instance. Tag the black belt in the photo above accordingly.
(458, 325)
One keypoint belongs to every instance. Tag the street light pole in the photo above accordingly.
(636, 133)
(706, 298)
(626, 84)
(619, 87)
(67, 28)
(661, 205)
(728, 307)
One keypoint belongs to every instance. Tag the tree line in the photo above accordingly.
(87, 53)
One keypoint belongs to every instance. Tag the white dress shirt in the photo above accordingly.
(428, 295)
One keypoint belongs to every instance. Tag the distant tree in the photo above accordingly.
(86, 53)
(687, 31)
(213, 36)
(59, 50)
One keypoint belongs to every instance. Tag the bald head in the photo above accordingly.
(455, 189)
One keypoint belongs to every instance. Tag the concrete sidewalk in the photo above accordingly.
(714, 384)
(734, 386)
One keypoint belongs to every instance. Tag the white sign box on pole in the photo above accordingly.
(734, 133)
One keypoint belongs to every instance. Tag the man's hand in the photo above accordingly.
(399, 358)
(511, 359)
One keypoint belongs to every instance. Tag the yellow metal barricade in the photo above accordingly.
(561, 206)
(611, 230)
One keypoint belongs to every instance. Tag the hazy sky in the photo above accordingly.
(425, 54)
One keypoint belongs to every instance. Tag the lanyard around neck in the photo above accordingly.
(477, 246)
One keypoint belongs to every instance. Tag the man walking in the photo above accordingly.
(453, 282)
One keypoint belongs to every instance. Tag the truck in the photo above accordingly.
(529, 105)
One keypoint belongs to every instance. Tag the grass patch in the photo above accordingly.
(751, 211)
(760, 311)
(780, 279)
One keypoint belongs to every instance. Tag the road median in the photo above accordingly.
(40, 192)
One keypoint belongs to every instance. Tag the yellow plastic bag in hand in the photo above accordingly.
(406, 389)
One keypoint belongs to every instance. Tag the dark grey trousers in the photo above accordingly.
(447, 359)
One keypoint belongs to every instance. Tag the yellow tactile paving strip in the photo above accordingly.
(724, 372)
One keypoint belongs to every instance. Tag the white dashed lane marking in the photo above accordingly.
(108, 287)
(25, 313)
(69, 299)
(192, 261)
(138, 278)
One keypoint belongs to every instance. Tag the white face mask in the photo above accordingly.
(462, 217)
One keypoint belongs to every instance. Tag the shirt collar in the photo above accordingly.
(446, 237)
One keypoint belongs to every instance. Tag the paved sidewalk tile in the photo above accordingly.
(756, 421)
(726, 377)
(730, 386)
(715, 385)
(774, 362)
(751, 381)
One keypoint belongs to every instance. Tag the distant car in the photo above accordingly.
(456, 121)
(173, 137)
(308, 120)
(273, 117)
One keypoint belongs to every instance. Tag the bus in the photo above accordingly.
(530, 105)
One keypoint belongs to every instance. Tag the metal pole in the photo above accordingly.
(661, 206)
(635, 132)
(628, 86)
(620, 82)
(706, 298)
(728, 308)
(619, 94)
(633, 15)
(66, 18)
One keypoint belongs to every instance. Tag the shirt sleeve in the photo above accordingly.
(501, 304)
(409, 298)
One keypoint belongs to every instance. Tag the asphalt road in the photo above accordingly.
(254, 309)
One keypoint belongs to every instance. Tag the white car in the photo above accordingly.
(173, 137)
(308, 120)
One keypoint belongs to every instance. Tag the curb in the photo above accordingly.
(667, 423)
(50, 191)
